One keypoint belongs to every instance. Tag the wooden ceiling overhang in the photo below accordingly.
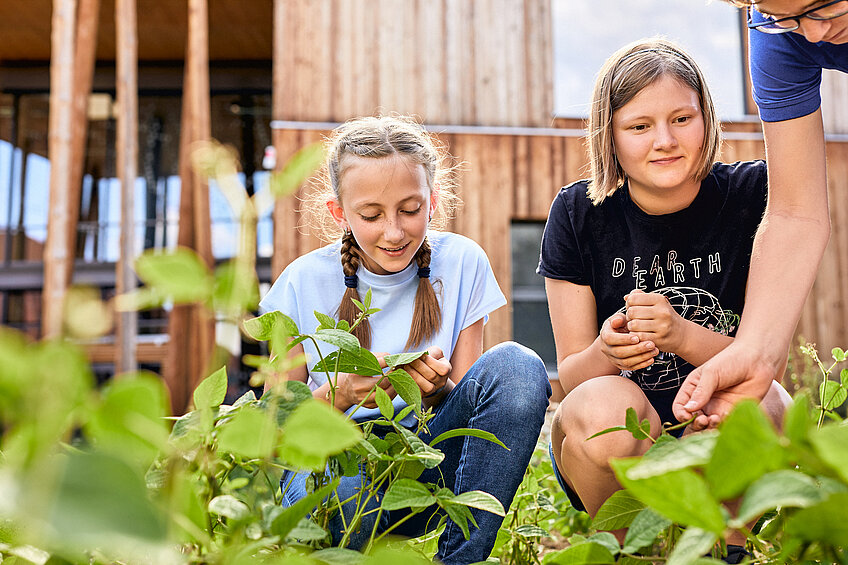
(238, 31)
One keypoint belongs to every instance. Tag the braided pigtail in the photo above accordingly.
(347, 309)
(427, 315)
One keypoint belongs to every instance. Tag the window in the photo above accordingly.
(531, 322)
(586, 32)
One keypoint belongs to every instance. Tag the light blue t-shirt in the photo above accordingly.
(460, 273)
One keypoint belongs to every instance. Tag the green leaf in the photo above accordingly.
(607, 431)
(99, 499)
(212, 390)
(296, 170)
(618, 511)
(457, 432)
(285, 521)
(640, 430)
(404, 413)
(307, 530)
(407, 493)
(236, 288)
(339, 338)
(261, 328)
(460, 515)
(284, 400)
(530, 531)
(406, 387)
(313, 432)
(607, 540)
(480, 500)
(681, 496)
(838, 354)
(399, 359)
(581, 554)
(824, 522)
(394, 556)
(250, 433)
(338, 556)
(831, 445)
(797, 419)
(692, 544)
(387, 409)
(693, 450)
(361, 362)
(129, 421)
(843, 377)
(646, 527)
(325, 322)
(230, 507)
(747, 447)
(180, 275)
(832, 394)
(783, 488)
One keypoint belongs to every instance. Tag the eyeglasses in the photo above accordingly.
(827, 11)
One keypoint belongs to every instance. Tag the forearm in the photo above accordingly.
(583, 365)
(787, 253)
(700, 344)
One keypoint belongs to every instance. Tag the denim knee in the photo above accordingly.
(519, 370)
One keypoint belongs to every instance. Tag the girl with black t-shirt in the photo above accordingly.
(645, 264)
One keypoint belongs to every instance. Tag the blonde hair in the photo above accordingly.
(376, 138)
(624, 74)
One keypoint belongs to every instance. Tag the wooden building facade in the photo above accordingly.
(283, 72)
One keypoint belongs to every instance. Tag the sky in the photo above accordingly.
(586, 32)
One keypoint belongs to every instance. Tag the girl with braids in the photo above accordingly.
(434, 291)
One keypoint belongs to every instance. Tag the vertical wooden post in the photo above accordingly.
(88, 15)
(127, 156)
(58, 255)
(191, 329)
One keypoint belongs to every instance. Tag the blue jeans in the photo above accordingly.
(506, 393)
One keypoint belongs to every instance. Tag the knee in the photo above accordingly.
(600, 404)
(519, 369)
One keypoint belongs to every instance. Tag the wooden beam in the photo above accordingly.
(58, 252)
(126, 40)
(88, 15)
(191, 329)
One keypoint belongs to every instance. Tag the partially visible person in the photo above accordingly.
(435, 291)
(645, 263)
(791, 41)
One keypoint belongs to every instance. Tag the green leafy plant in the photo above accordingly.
(104, 475)
(783, 490)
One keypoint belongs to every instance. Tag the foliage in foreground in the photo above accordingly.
(92, 475)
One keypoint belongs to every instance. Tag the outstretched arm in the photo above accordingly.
(787, 251)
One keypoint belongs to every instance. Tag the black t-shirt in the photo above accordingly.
(698, 257)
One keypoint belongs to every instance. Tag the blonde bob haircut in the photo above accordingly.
(622, 77)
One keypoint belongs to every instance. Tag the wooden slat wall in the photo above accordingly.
(486, 62)
(515, 177)
(834, 97)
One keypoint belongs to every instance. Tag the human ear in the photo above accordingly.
(434, 199)
(337, 212)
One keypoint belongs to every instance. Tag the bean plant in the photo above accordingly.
(102, 474)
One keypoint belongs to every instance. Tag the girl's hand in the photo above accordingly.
(651, 318)
(430, 371)
(624, 349)
(351, 389)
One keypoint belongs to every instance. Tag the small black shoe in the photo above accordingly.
(735, 554)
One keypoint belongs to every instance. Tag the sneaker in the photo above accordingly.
(735, 554)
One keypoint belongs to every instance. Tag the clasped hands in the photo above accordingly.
(430, 372)
(631, 340)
